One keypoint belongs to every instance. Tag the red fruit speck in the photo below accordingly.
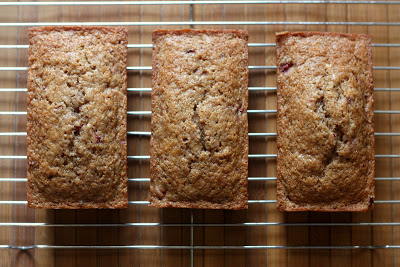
(98, 138)
(285, 67)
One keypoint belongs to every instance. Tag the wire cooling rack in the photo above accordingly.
(144, 236)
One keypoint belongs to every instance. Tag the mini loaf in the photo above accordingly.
(325, 122)
(77, 149)
(199, 143)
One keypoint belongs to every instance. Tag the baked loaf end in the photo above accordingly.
(325, 122)
(199, 143)
(77, 150)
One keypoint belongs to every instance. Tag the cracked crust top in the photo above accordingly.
(325, 122)
(199, 143)
(77, 150)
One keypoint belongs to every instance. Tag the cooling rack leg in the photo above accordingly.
(191, 238)
(191, 15)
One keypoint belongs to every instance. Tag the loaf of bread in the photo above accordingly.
(199, 142)
(77, 149)
(325, 122)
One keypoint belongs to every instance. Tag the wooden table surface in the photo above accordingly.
(259, 236)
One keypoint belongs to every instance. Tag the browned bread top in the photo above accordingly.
(199, 143)
(325, 122)
(77, 151)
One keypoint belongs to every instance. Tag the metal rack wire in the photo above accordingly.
(140, 160)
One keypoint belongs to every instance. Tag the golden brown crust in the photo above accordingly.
(199, 143)
(77, 149)
(242, 34)
(350, 36)
(325, 125)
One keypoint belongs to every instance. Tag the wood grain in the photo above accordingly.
(382, 235)
(132, 235)
(394, 81)
(229, 229)
(23, 235)
(7, 103)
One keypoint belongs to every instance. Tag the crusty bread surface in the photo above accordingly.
(199, 143)
(77, 103)
(325, 129)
